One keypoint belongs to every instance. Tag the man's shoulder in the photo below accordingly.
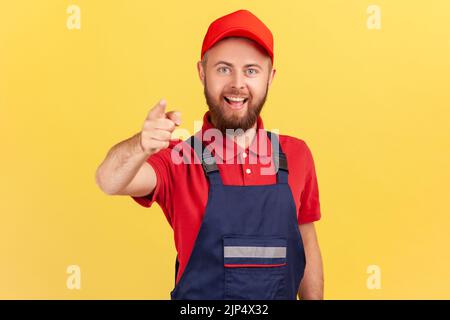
(298, 151)
(291, 144)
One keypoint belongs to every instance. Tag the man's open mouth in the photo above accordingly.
(235, 102)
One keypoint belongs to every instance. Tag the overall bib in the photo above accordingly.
(249, 245)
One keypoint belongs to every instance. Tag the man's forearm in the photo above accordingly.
(121, 164)
(311, 286)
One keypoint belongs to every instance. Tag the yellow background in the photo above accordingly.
(373, 105)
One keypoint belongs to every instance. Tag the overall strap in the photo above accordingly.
(210, 166)
(177, 266)
(279, 158)
(207, 159)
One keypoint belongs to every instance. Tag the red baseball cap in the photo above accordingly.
(241, 23)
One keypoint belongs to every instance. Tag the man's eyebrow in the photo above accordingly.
(231, 65)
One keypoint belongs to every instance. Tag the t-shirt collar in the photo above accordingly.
(260, 140)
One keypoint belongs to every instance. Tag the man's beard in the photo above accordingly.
(234, 122)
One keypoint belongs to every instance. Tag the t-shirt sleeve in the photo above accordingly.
(309, 200)
(147, 200)
(163, 166)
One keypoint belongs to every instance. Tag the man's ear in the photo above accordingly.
(272, 75)
(201, 72)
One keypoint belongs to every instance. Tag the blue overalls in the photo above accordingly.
(249, 245)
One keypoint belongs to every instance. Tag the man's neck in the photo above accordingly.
(244, 139)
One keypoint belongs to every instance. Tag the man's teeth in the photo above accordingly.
(235, 99)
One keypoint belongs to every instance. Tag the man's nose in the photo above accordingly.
(238, 81)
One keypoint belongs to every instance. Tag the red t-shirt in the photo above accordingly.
(182, 189)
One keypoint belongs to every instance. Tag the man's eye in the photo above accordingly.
(254, 71)
(224, 69)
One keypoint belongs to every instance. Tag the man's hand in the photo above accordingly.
(158, 127)
(125, 170)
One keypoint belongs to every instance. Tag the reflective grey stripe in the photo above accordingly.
(254, 252)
